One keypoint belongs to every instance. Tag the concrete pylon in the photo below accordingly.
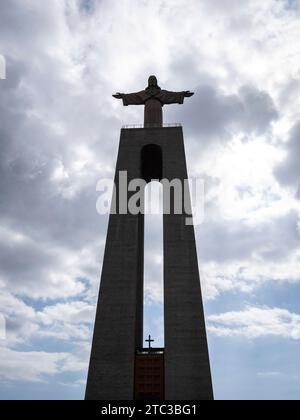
(149, 153)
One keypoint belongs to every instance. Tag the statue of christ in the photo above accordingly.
(154, 98)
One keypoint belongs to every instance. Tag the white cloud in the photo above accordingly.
(247, 276)
(268, 374)
(30, 366)
(36, 366)
(256, 322)
(288, 171)
(63, 321)
(74, 312)
(2, 327)
(66, 321)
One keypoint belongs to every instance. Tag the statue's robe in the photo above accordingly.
(153, 99)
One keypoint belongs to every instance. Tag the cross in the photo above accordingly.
(149, 341)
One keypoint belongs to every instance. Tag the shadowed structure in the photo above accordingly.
(118, 358)
(154, 98)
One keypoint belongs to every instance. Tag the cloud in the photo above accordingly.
(271, 240)
(59, 132)
(68, 323)
(288, 171)
(2, 327)
(256, 322)
(61, 321)
(248, 276)
(29, 366)
(258, 110)
(74, 312)
(213, 114)
(36, 366)
(65, 321)
(268, 374)
(39, 270)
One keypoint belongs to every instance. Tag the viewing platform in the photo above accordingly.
(151, 125)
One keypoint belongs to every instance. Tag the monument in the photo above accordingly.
(154, 98)
(120, 367)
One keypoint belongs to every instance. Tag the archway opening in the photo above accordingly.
(152, 173)
(151, 161)
(153, 266)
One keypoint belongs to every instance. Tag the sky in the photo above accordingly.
(59, 134)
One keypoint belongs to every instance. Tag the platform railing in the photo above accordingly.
(151, 125)
(152, 350)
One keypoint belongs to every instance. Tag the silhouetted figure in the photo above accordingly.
(154, 98)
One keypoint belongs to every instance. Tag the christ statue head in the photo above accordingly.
(152, 82)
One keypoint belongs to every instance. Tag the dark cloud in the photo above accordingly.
(288, 172)
(257, 110)
(237, 241)
(211, 114)
(57, 216)
(292, 5)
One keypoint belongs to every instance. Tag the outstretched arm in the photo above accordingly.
(168, 97)
(188, 94)
(131, 98)
(118, 95)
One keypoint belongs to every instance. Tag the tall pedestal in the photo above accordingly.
(149, 153)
